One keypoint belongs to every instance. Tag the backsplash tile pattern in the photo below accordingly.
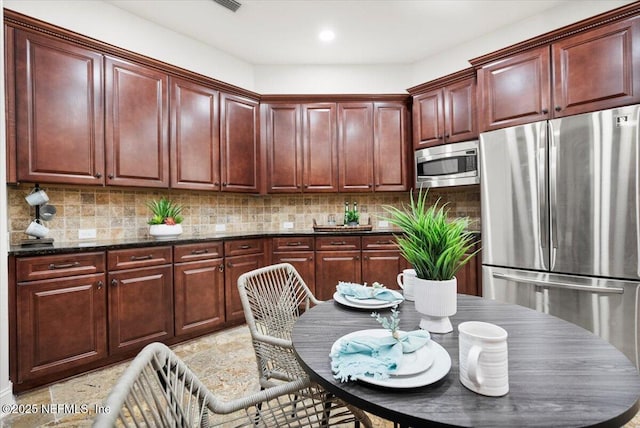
(118, 213)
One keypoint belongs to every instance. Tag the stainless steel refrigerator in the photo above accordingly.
(561, 220)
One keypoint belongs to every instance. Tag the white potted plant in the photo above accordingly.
(436, 247)
(166, 219)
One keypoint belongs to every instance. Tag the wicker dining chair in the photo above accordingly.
(273, 298)
(159, 390)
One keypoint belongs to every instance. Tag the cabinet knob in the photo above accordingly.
(370, 185)
(98, 175)
(217, 183)
(221, 267)
(558, 108)
(356, 258)
(114, 282)
(545, 111)
(439, 137)
(310, 259)
(110, 176)
(365, 257)
(446, 135)
(100, 284)
(230, 264)
(306, 186)
(224, 184)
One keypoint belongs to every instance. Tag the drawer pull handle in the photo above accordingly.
(384, 242)
(196, 252)
(53, 266)
(294, 244)
(338, 243)
(140, 258)
(245, 247)
(114, 282)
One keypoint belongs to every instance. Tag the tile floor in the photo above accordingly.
(229, 375)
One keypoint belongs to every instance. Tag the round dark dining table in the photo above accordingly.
(560, 375)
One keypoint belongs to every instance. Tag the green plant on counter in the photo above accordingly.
(351, 216)
(165, 211)
(436, 246)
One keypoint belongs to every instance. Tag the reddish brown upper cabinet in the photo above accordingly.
(239, 149)
(444, 110)
(137, 125)
(515, 90)
(597, 69)
(355, 146)
(195, 136)
(283, 138)
(59, 121)
(586, 71)
(390, 147)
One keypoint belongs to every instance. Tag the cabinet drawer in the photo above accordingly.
(46, 267)
(193, 252)
(243, 246)
(333, 243)
(291, 243)
(380, 242)
(138, 257)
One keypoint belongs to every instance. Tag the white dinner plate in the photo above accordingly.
(357, 304)
(424, 372)
(368, 302)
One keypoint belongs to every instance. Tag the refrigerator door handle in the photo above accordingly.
(565, 285)
(553, 194)
(542, 191)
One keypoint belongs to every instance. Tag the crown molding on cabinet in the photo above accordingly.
(322, 98)
(442, 81)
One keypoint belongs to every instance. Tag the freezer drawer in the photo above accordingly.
(608, 308)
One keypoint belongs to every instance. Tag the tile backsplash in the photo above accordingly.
(123, 214)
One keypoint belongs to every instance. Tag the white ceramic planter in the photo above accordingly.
(165, 232)
(437, 301)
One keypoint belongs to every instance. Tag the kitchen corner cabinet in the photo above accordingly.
(59, 125)
(591, 70)
(239, 149)
(298, 251)
(241, 256)
(446, 113)
(137, 124)
(140, 285)
(301, 147)
(198, 276)
(61, 314)
(195, 136)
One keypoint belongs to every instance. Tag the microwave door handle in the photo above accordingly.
(558, 284)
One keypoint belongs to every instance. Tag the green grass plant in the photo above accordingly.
(436, 246)
(165, 211)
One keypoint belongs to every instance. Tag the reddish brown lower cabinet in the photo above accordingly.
(334, 264)
(470, 276)
(250, 256)
(297, 251)
(199, 294)
(382, 267)
(140, 299)
(61, 324)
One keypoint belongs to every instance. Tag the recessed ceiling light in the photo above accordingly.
(326, 35)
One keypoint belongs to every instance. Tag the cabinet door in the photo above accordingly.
(460, 111)
(597, 69)
(320, 148)
(355, 143)
(195, 136)
(515, 90)
(199, 296)
(236, 266)
(390, 161)
(382, 267)
(284, 148)
(137, 125)
(239, 144)
(140, 307)
(428, 119)
(469, 277)
(59, 111)
(335, 266)
(61, 324)
(304, 264)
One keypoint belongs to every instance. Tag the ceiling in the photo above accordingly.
(367, 31)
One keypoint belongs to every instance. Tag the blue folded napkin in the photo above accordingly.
(376, 356)
(359, 291)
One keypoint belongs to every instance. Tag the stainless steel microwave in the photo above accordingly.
(448, 165)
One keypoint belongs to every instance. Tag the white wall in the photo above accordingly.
(112, 25)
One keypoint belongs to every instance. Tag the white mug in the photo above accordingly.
(405, 280)
(37, 198)
(484, 362)
(36, 229)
